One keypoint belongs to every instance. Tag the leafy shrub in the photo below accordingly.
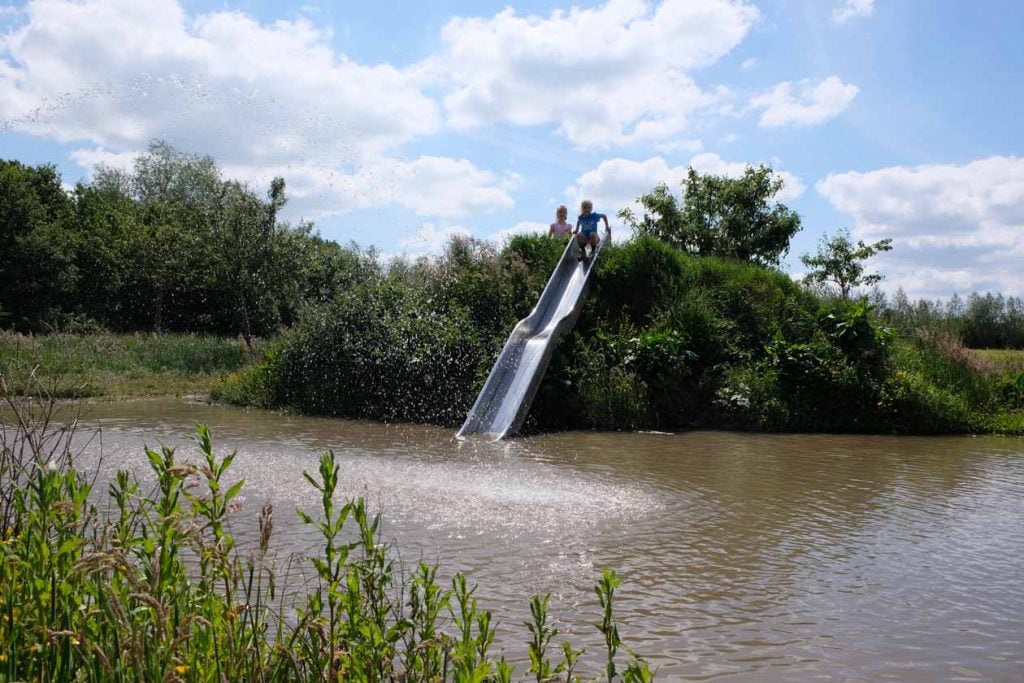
(156, 589)
(913, 404)
(612, 396)
(665, 340)
(748, 399)
(381, 353)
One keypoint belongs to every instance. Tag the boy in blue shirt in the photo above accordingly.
(586, 228)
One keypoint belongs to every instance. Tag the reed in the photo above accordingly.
(153, 587)
(104, 364)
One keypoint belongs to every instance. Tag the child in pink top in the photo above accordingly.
(562, 228)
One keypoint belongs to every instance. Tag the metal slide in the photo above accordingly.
(505, 399)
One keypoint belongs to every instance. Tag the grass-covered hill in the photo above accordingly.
(666, 341)
(688, 325)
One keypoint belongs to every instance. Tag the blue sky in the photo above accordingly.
(398, 124)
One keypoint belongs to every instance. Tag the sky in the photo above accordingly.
(399, 124)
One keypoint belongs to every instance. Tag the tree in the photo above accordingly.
(257, 255)
(721, 216)
(168, 245)
(840, 262)
(37, 276)
(178, 196)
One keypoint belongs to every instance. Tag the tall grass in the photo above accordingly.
(108, 364)
(156, 589)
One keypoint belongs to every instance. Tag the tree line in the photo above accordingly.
(170, 245)
(982, 321)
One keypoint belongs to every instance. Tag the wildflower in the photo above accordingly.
(181, 669)
(74, 641)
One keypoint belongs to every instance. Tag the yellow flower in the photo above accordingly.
(3, 658)
(181, 668)
(74, 641)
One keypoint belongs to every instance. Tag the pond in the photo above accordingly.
(745, 557)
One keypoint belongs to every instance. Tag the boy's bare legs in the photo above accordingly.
(583, 240)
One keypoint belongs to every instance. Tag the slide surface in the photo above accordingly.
(502, 405)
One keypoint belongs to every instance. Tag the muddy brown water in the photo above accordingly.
(745, 557)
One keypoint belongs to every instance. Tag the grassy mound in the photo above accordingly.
(665, 341)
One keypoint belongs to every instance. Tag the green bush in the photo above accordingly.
(665, 341)
(747, 399)
(381, 353)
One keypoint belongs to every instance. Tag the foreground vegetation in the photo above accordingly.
(151, 586)
(109, 365)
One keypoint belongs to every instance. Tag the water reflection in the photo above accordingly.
(747, 557)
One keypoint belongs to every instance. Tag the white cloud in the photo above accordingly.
(432, 186)
(98, 156)
(749, 63)
(428, 186)
(851, 9)
(521, 228)
(955, 227)
(804, 103)
(610, 75)
(118, 72)
(430, 239)
(617, 183)
(263, 99)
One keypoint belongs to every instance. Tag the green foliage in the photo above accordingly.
(541, 634)
(381, 352)
(839, 261)
(637, 669)
(684, 327)
(169, 246)
(611, 395)
(157, 589)
(104, 364)
(720, 216)
(982, 321)
(666, 340)
(37, 267)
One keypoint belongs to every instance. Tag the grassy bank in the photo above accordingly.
(150, 585)
(665, 341)
(109, 365)
(1002, 360)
